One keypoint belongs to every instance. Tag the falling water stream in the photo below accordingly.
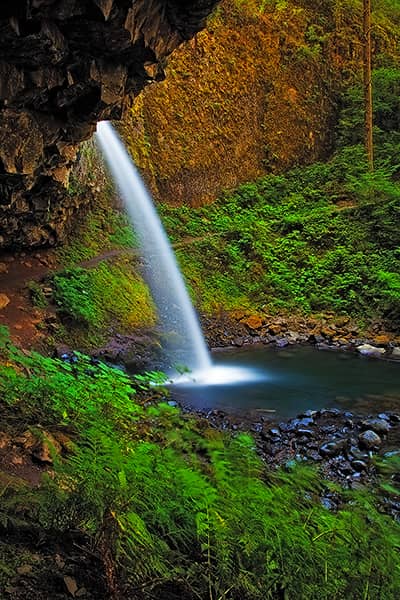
(183, 339)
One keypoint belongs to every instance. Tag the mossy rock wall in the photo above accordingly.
(253, 93)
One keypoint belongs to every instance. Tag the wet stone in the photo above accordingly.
(332, 412)
(309, 414)
(328, 429)
(308, 433)
(327, 503)
(359, 465)
(274, 431)
(256, 427)
(369, 440)
(357, 454)
(282, 343)
(384, 416)
(391, 453)
(296, 423)
(378, 425)
(345, 468)
(333, 448)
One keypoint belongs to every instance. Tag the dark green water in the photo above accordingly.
(289, 381)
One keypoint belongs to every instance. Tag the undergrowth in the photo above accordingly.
(323, 237)
(105, 294)
(186, 512)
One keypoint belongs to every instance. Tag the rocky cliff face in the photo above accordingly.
(64, 65)
(256, 92)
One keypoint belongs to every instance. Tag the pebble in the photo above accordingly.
(4, 301)
(333, 448)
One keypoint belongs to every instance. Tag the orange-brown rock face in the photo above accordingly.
(64, 65)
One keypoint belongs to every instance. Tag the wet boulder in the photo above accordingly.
(333, 448)
(379, 426)
(369, 440)
(369, 350)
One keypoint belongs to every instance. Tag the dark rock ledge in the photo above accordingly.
(64, 65)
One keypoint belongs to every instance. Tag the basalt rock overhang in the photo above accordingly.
(64, 65)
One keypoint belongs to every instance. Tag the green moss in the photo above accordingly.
(103, 295)
(36, 294)
(102, 229)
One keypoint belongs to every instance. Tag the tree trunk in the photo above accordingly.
(369, 145)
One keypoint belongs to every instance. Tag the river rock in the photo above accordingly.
(369, 440)
(359, 465)
(369, 350)
(282, 342)
(384, 416)
(395, 353)
(275, 433)
(304, 422)
(4, 301)
(253, 322)
(333, 448)
(380, 426)
(382, 340)
(305, 432)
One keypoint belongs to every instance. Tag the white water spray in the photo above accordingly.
(175, 309)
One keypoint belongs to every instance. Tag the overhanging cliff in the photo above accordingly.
(64, 65)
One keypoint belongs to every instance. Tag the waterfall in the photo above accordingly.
(183, 338)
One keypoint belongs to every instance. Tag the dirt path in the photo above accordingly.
(16, 271)
(19, 315)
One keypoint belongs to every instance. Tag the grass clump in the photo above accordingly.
(181, 512)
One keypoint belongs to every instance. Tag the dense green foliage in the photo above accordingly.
(322, 237)
(186, 512)
(104, 294)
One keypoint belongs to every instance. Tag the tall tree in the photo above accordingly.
(369, 144)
